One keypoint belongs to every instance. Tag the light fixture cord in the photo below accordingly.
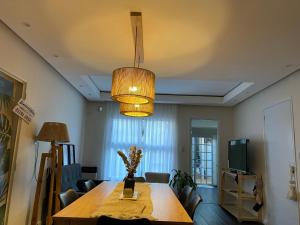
(135, 44)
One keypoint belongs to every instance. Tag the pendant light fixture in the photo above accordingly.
(136, 110)
(134, 85)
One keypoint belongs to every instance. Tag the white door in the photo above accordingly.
(279, 154)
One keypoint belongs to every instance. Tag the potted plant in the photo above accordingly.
(131, 164)
(180, 180)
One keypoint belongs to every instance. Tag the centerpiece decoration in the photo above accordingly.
(131, 164)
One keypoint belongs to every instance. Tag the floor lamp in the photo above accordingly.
(50, 132)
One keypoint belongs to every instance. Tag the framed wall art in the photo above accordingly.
(12, 90)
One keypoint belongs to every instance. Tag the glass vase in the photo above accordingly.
(129, 184)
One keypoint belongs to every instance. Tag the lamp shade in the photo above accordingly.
(133, 85)
(136, 110)
(52, 131)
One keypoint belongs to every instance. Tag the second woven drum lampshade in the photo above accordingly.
(136, 110)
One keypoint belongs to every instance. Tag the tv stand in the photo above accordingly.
(233, 171)
(235, 191)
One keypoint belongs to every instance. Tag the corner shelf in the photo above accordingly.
(238, 209)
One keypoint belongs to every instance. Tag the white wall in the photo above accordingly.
(95, 123)
(223, 115)
(53, 99)
(93, 144)
(248, 119)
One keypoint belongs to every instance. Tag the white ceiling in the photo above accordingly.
(224, 48)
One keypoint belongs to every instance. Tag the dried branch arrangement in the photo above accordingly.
(133, 161)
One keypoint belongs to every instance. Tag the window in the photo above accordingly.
(156, 135)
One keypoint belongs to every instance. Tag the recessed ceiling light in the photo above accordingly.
(26, 24)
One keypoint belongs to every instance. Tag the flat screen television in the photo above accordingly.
(237, 155)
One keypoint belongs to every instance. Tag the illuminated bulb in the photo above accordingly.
(133, 89)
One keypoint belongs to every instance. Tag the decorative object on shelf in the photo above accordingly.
(134, 85)
(180, 180)
(50, 132)
(136, 110)
(12, 90)
(258, 193)
(131, 164)
(292, 193)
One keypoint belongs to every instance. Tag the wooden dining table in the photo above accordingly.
(166, 208)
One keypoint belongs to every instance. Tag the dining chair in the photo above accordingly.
(67, 197)
(89, 185)
(152, 177)
(139, 179)
(192, 204)
(185, 194)
(105, 220)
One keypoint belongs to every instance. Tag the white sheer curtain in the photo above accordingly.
(156, 135)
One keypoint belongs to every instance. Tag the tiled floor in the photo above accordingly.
(210, 213)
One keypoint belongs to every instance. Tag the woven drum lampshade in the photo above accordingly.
(136, 110)
(52, 131)
(132, 85)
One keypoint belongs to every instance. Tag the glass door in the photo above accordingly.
(204, 152)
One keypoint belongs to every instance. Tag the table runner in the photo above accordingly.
(127, 209)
